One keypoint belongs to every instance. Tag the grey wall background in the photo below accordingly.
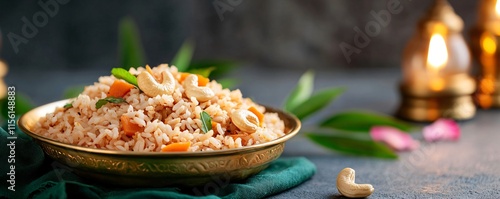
(280, 33)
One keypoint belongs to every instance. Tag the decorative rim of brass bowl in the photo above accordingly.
(292, 126)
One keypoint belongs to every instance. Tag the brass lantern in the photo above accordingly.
(436, 64)
(485, 40)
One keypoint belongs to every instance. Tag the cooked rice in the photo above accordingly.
(166, 119)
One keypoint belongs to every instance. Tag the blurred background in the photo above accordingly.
(283, 35)
(280, 33)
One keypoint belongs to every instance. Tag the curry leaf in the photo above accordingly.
(104, 101)
(68, 105)
(352, 146)
(121, 73)
(205, 72)
(130, 48)
(301, 92)
(22, 105)
(73, 91)
(206, 122)
(222, 67)
(361, 121)
(317, 102)
(183, 57)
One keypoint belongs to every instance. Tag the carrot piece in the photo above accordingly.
(128, 127)
(214, 126)
(119, 88)
(179, 146)
(258, 114)
(183, 76)
(202, 81)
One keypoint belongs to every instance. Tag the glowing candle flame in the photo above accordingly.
(437, 56)
(497, 7)
(488, 44)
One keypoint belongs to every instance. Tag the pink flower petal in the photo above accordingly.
(442, 129)
(393, 137)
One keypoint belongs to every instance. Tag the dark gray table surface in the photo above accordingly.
(469, 168)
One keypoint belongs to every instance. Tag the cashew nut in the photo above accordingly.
(348, 188)
(148, 84)
(192, 90)
(245, 120)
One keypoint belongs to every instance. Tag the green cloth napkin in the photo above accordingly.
(40, 177)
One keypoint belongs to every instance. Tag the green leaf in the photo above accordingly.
(205, 72)
(121, 73)
(361, 121)
(228, 82)
(22, 105)
(183, 57)
(130, 47)
(73, 91)
(301, 92)
(317, 102)
(222, 67)
(68, 105)
(353, 146)
(206, 122)
(104, 101)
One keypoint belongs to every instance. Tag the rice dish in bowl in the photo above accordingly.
(167, 111)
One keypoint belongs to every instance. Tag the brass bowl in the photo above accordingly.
(156, 169)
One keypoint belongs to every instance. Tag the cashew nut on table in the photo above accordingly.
(348, 188)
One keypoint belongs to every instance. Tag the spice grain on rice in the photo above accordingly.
(163, 119)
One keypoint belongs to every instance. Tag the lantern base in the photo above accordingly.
(488, 93)
(428, 109)
(487, 101)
